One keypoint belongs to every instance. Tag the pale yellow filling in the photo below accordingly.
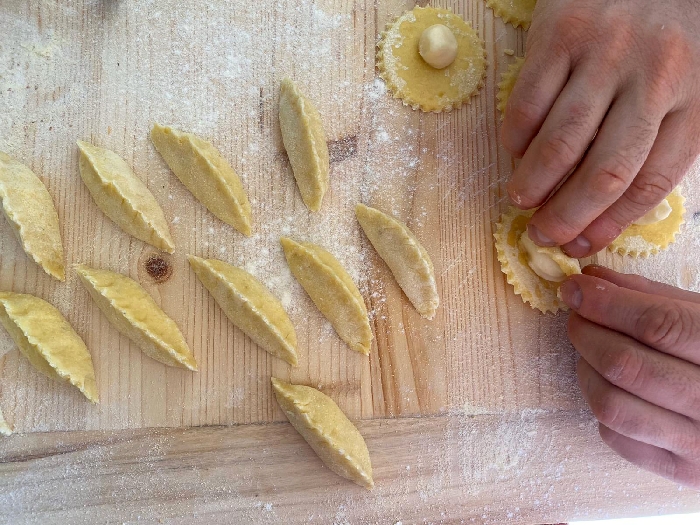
(438, 46)
(541, 263)
(658, 214)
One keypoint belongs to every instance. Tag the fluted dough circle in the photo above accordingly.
(418, 84)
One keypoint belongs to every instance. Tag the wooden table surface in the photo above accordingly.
(472, 417)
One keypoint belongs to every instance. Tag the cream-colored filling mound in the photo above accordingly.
(658, 214)
(438, 46)
(541, 263)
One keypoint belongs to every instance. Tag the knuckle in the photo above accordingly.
(523, 113)
(648, 188)
(661, 324)
(558, 153)
(608, 408)
(623, 367)
(612, 177)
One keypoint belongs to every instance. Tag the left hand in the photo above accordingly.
(640, 367)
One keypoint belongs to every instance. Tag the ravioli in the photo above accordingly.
(332, 290)
(28, 207)
(250, 306)
(327, 430)
(405, 257)
(206, 173)
(129, 308)
(48, 341)
(122, 197)
(305, 141)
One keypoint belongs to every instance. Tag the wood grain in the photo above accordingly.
(104, 71)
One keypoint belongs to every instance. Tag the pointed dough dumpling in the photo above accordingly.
(332, 290)
(305, 141)
(208, 175)
(45, 338)
(250, 306)
(329, 432)
(123, 197)
(5, 429)
(405, 257)
(28, 206)
(136, 315)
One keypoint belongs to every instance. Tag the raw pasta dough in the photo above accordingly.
(533, 289)
(418, 84)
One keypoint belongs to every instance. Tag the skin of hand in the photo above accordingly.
(610, 90)
(639, 370)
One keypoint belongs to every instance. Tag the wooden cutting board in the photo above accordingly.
(474, 416)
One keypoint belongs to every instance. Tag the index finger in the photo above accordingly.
(671, 326)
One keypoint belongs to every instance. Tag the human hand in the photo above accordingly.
(627, 70)
(640, 367)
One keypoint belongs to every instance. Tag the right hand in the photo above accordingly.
(622, 77)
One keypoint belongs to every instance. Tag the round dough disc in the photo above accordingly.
(640, 241)
(411, 79)
(516, 12)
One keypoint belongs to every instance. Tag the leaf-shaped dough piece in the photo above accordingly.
(49, 342)
(305, 142)
(203, 171)
(5, 429)
(136, 315)
(250, 306)
(332, 290)
(329, 432)
(123, 197)
(405, 257)
(28, 206)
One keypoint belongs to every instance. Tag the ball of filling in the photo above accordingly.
(658, 214)
(438, 46)
(541, 263)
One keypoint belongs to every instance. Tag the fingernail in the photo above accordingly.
(571, 294)
(538, 237)
(579, 247)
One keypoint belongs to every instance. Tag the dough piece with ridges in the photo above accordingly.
(641, 241)
(516, 12)
(5, 428)
(208, 175)
(305, 141)
(411, 79)
(250, 306)
(330, 433)
(539, 293)
(48, 341)
(133, 312)
(405, 257)
(332, 290)
(506, 85)
(28, 207)
(123, 197)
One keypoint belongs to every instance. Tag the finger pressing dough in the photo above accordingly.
(5, 428)
(329, 432)
(48, 341)
(516, 12)
(516, 263)
(305, 141)
(250, 306)
(506, 85)
(136, 315)
(642, 240)
(122, 197)
(418, 84)
(28, 207)
(405, 257)
(203, 171)
(332, 290)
